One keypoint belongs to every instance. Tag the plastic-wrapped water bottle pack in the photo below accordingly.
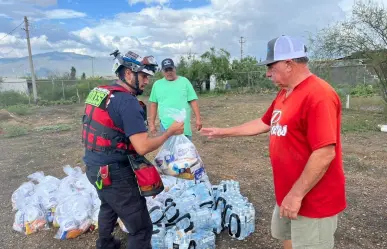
(190, 214)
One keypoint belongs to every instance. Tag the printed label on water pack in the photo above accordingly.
(199, 173)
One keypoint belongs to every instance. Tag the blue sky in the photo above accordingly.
(103, 9)
(164, 28)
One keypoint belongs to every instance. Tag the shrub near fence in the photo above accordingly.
(9, 98)
(74, 91)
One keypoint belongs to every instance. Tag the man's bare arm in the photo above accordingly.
(195, 108)
(152, 113)
(251, 128)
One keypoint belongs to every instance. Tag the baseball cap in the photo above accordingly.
(284, 48)
(167, 63)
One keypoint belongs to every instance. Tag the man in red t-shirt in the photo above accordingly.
(304, 123)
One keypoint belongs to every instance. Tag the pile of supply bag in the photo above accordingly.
(189, 213)
(70, 204)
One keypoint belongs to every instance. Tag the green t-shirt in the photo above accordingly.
(173, 94)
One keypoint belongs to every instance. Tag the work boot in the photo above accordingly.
(113, 243)
(117, 243)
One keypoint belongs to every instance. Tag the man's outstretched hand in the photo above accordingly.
(212, 132)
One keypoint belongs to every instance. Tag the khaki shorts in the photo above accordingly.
(305, 233)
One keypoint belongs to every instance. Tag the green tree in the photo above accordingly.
(248, 73)
(73, 73)
(219, 63)
(193, 69)
(182, 67)
(362, 36)
(83, 77)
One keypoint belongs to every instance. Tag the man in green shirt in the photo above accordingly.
(176, 92)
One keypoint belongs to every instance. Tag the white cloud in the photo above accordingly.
(4, 15)
(63, 14)
(163, 31)
(16, 46)
(42, 3)
(148, 2)
(83, 51)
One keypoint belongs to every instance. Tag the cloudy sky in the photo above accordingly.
(160, 27)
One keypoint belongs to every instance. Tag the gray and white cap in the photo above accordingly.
(284, 48)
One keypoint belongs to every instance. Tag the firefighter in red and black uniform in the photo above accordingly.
(114, 124)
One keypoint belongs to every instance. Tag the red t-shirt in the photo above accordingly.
(308, 119)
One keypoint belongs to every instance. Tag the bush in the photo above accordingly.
(363, 91)
(9, 98)
(55, 128)
(19, 109)
(14, 131)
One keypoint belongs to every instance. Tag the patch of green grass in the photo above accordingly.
(371, 103)
(54, 128)
(19, 109)
(13, 131)
(361, 121)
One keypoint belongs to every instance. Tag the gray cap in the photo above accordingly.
(167, 63)
(284, 48)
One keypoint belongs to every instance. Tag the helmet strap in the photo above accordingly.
(137, 89)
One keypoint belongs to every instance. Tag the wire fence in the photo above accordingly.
(348, 79)
(55, 91)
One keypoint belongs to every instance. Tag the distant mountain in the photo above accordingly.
(56, 63)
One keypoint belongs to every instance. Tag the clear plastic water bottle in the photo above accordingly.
(158, 237)
(185, 241)
(235, 225)
(177, 190)
(204, 196)
(176, 242)
(251, 218)
(216, 189)
(155, 210)
(186, 204)
(171, 212)
(216, 220)
(204, 239)
(179, 239)
(201, 218)
(164, 198)
(242, 216)
(228, 211)
(169, 238)
(185, 223)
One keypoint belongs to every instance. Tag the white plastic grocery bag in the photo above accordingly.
(178, 156)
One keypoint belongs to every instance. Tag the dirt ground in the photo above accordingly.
(362, 225)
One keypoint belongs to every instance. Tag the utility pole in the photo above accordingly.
(92, 66)
(30, 59)
(241, 41)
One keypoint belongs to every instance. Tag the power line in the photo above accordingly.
(12, 30)
(18, 42)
